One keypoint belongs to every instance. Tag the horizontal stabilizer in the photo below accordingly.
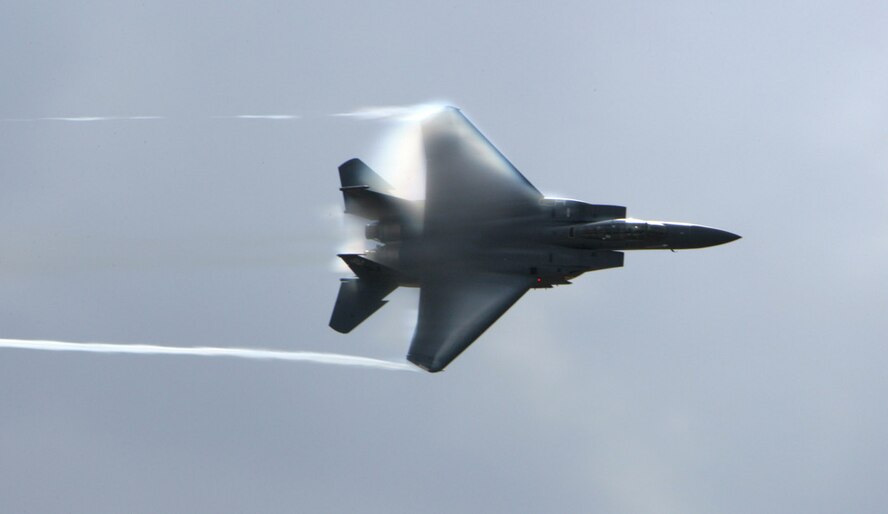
(367, 269)
(358, 299)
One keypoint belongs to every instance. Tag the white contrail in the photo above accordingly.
(374, 113)
(86, 118)
(124, 118)
(261, 117)
(397, 112)
(78, 118)
(243, 353)
(101, 118)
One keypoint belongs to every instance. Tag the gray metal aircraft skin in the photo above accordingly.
(482, 238)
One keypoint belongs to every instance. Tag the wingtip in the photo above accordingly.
(337, 328)
(424, 363)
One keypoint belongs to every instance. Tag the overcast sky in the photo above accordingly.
(745, 378)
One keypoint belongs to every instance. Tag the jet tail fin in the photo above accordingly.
(354, 173)
(360, 297)
(368, 195)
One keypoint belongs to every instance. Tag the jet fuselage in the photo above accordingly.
(552, 245)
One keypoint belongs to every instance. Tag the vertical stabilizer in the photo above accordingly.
(354, 174)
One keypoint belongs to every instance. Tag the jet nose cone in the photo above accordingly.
(707, 236)
(685, 236)
(723, 236)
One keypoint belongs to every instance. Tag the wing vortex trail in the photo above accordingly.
(243, 353)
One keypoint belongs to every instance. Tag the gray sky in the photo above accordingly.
(738, 379)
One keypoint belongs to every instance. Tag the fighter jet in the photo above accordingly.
(483, 236)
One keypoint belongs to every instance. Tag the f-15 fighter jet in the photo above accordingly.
(481, 239)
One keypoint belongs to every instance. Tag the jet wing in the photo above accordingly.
(455, 310)
(467, 178)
